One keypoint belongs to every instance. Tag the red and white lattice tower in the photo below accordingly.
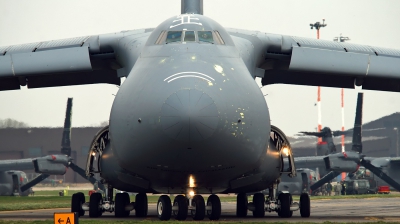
(319, 113)
(342, 96)
(342, 119)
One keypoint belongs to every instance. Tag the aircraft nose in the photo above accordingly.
(189, 115)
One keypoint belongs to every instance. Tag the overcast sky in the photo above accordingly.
(291, 107)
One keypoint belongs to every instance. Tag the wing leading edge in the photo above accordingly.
(73, 61)
(306, 61)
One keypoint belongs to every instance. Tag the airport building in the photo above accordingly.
(380, 138)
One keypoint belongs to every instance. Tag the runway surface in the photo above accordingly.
(334, 210)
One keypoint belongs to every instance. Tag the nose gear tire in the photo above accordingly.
(199, 211)
(164, 208)
(215, 203)
(182, 204)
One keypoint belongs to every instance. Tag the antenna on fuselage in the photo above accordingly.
(192, 7)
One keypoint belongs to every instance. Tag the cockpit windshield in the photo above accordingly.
(174, 36)
(189, 36)
(210, 37)
(205, 36)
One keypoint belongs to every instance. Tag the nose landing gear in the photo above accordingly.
(182, 205)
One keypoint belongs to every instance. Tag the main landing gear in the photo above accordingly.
(98, 203)
(283, 205)
(121, 206)
(196, 205)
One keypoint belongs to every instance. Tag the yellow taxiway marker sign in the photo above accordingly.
(66, 218)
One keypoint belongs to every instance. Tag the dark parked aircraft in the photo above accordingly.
(299, 184)
(14, 182)
(10, 182)
(385, 168)
(190, 119)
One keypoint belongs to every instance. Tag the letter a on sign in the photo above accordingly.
(66, 218)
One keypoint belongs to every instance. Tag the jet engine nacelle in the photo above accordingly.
(50, 166)
(342, 162)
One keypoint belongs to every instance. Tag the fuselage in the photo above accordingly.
(190, 108)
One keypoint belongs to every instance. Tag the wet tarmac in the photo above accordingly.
(334, 210)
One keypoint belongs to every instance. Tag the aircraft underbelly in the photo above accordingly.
(204, 118)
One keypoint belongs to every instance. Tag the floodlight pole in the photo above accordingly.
(318, 26)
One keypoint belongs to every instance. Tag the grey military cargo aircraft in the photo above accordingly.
(189, 118)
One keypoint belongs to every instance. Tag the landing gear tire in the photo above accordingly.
(141, 205)
(164, 208)
(181, 202)
(285, 201)
(241, 205)
(121, 200)
(215, 204)
(94, 205)
(199, 211)
(258, 201)
(76, 203)
(305, 209)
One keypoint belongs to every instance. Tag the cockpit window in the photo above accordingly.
(205, 36)
(189, 36)
(174, 36)
(210, 37)
(219, 39)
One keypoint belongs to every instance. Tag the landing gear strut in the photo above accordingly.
(283, 204)
(99, 203)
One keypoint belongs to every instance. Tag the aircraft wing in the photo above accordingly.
(73, 61)
(305, 61)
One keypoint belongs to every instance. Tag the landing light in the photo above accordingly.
(191, 193)
(93, 153)
(191, 181)
(285, 151)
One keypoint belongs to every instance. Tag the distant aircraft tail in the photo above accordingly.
(357, 131)
(66, 137)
